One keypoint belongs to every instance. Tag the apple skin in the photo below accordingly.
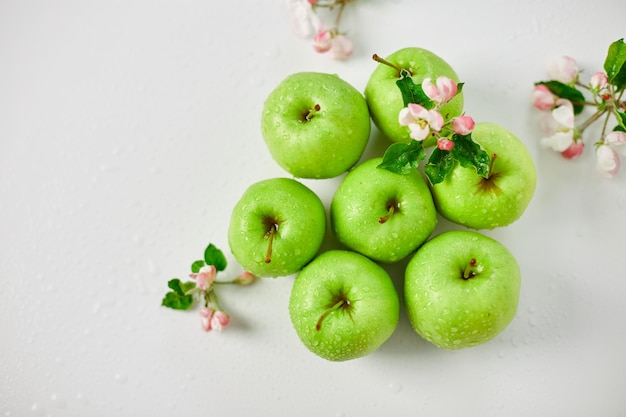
(364, 196)
(348, 333)
(334, 138)
(456, 313)
(301, 219)
(384, 97)
(466, 198)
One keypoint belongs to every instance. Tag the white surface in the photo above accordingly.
(128, 129)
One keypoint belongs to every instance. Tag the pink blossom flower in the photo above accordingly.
(543, 99)
(205, 277)
(420, 121)
(617, 141)
(598, 81)
(607, 161)
(560, 127)
(342, 47)
(322, 41)
(442, 91)
(563, 69)
(463, 125)
(445, 144)
(305, 22)
(574, 150)
(206, 314)
(219, 320)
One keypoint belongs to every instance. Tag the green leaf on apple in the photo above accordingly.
(615, 64)
(177, 298)
(413, 93)
(402, 158)
(562, 90)
(470, 154)
(214, 256)
(440, 164)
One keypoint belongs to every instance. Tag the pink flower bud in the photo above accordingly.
(574, 150)
(598, 81)
(463, 125)
(563, 69)
(246, 278)
(543, 99)
(444, 90)
(617, 141)
(206, 314)
(342, 47)
(219, 320)
(607, 161)
(205, 277)
(322, 41)
(445, 144)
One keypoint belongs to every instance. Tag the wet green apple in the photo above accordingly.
(384, 98)
(383, 215)
(343, 305)
(461, 289)
(315, 125)
(466, 198)
(277, 226)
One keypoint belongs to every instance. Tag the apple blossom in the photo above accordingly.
(563, 69)
(543, 99)
(305, 22)
(574, 150)
(322, 41)
(561, 127)
(463, 125)
(442, 91)
(617, 141)
(607, 161)
(341, 47)
(420, 121)
(246, 278)
(205, 277)
(219, 320)
(598, 82)
(445, 144)
(206, 314)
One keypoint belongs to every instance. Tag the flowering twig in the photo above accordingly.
(307, 23)
(563, 95)
(422, 115)
(202, 289)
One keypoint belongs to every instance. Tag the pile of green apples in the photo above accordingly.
(461, 287)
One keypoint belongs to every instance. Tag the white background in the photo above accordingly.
(129, 129)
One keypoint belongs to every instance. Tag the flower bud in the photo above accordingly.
(219, 320)
(543, 99)
(322, 41)
(598, 81)
(607, 161)
(463, 125)
(445, 144)
(563, 69)
(574, 150)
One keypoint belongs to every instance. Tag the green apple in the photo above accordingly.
(466, 198)
(315, 125)
(384, 98)
(343, 305)
(461, 289)
(383, 215)
(277, 226)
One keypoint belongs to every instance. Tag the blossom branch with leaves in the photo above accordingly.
(565, 97)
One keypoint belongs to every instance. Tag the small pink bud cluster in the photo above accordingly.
(423, 122)
(306, 23)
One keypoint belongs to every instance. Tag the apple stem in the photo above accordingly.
(470, 269)
(381, 60)
(325, 314)
(493, 158)
(270, 235)
(392, 209)
(312, 112)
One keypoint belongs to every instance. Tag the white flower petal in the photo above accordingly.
(559, 142)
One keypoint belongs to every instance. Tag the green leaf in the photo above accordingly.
(615, 64)
(177, 299)
(195, 267)
(440, 164)
(403, 158)
(470, 154)
(413, 93)
(214, 256)
(621, 120)
(565, 91)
